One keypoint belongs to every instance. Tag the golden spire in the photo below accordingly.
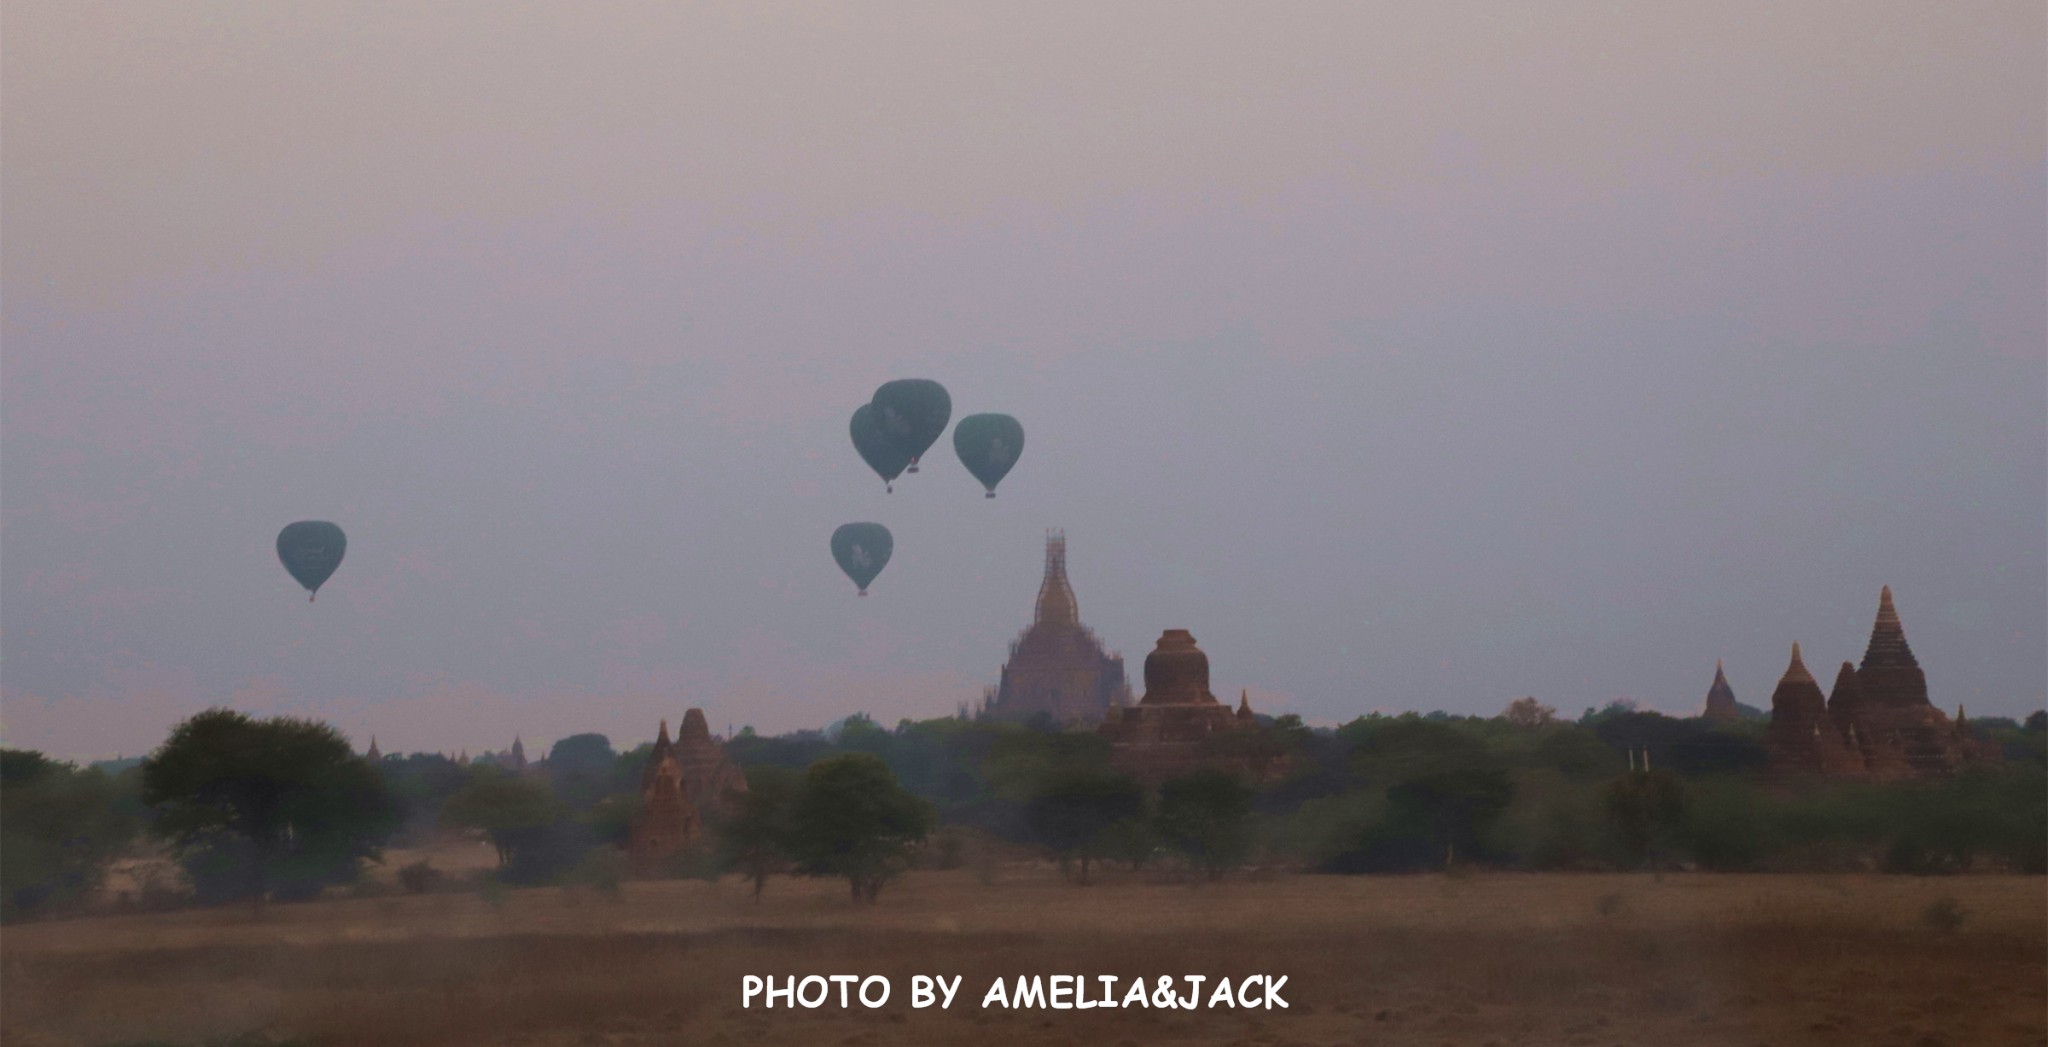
(1056, 605)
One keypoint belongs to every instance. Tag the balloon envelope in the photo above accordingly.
(988, 445)
(884, 455)
(913, 412)
(311, 550)
(862, 550)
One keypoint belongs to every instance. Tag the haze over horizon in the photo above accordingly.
(1414, 356)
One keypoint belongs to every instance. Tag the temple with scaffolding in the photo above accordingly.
(1058, 668)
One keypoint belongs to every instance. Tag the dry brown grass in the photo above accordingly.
(1506, 959)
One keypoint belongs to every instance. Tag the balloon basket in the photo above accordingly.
(991, 494)
(863, 592)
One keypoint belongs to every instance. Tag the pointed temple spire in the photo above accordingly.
(1056, 604)
(1244, 705)
(1888, 637)
(373, 755)
(1721, 698)
(1796, 672)
(518, 754)
(662, 748)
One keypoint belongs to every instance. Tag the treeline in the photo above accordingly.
(282, 808)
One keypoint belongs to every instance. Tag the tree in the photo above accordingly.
(1072, 814)
(1645, 807)
(514, 813)
(1207, 814)
(260, 808)
(1528, 712)
(756, 838)
(1452, 809)
(853, 819)
(60, 827)
(583, 767)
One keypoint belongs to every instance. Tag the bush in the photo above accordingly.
(1943, 914)
(60, 828)
(419, 877)
(601, 870)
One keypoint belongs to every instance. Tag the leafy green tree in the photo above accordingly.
(513, 812)
(60, 827)
(583, 769)
(1207, 815)
(853, 819)
(1072, 814)
(1647, 808)
(756, 839)
(1452, 809)
(265, 808)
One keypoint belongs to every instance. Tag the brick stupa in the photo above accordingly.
(1880, 715)
(1179, 726)
(1721, 698)
(709, 775)
(1802, 740)
(668, 820)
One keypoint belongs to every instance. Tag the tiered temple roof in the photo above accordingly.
(1879, 713)
(668, 820)
(1058, 667)
(708, 773)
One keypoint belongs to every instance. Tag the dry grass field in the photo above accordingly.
(1476, 959)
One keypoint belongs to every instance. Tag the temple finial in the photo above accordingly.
(1888, 636)
(1796, 672)
(1056, 604)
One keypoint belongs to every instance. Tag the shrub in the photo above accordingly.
(419, 877)
(1943, 914)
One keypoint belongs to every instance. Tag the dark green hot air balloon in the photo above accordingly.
(311, 550)
(882, 454)
(988, 445)
(913, 412)
(862, 550)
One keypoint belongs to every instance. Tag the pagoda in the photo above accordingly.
(1058, 667)
(1802, 740)
(709, 775)
(1180, 727)
(1721, 698)
(668, 820)
(1878, 715)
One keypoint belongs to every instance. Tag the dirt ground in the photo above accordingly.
(1484, 959)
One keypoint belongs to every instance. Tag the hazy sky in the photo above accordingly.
(1411, 355)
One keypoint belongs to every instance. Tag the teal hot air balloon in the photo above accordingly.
(988, 445)
(913, 412)
(882, 454)
(862, 550)
(311, 550)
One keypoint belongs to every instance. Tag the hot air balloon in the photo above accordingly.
(913, 412)
(876, 448)
(988, 445)
(311, 550)
(862, 550)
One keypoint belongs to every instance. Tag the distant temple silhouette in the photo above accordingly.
(1058, 667)
(684, 780)
(1179, 727)
(1721, 703)
(1878, 723)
